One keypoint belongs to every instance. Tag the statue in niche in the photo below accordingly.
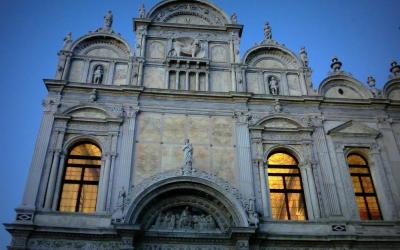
(187, 153)
(234, 19)
(108, 20)
(267, 32)
(273, 85)
(142, 11)
(187, 47)
(98, 74)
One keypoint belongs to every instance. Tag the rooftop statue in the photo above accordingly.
(108, 20)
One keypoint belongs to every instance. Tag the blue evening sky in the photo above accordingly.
(364, 34)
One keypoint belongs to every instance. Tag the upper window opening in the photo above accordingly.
(286, 188)
(81, 179)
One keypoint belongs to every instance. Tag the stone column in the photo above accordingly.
(166, 79)
(122, 174)
(54, 170)
(197, 81)
(208, 88)
(187, 81)
(381, 182)
(105, 176)
(243, 155)
(57, 189)
(86, 75)
(129, 73)
(140, 74)
(328, 181)
(350, 205)
(264, 188)
(41, 147)
(177, 79)
(65, 72)
(111, 73)
(392, 159)
(310, 192)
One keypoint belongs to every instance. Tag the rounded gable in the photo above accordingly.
(271, 56)
(102, 45)
(343, 86)
(391, 90)
(200, 12)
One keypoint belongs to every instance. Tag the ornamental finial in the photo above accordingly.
(336, 65)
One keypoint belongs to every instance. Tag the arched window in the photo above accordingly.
(364, 189)
(286, 188)
(81, 179)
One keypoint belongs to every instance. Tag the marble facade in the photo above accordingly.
(185, 79)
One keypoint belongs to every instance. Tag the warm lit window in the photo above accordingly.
(286, 188)
(81, 179)
(364, 189)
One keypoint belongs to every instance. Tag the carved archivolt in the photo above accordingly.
(128, 210)
(116, 47)
(188, 12)
(271, 57)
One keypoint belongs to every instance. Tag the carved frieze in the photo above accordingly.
(184, 219)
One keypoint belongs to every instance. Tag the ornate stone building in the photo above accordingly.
(180, 143)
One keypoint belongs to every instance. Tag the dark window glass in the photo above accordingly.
(364, 189)
(286, 188)
(81, 179)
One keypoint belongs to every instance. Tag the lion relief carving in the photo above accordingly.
(187, 47)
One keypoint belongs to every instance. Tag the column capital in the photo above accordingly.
(130, 111)
(51, 104)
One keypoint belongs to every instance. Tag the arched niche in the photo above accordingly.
(267, 60)
(344, 87)
(108, 51)
(197, 12)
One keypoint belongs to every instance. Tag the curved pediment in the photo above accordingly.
(194, 12)
(343, 86)
(279, 122)
(87, 112)
(392, 89)
(271, 57)
(106, 46)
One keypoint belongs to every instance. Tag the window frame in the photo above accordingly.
(363, 194)
(81, 182)
(285, 191)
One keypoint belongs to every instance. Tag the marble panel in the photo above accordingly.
(218, 53)
(294, 85)
(223, 161)
(252, 83)
(222, 131)
(220, 81)
(174, 129)
(198, 127)
(147, 162)
(120, 74)
(75, 73)
(154, 77)
(155, 50)
(171, 157)
(201, 157)
(149, 127)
